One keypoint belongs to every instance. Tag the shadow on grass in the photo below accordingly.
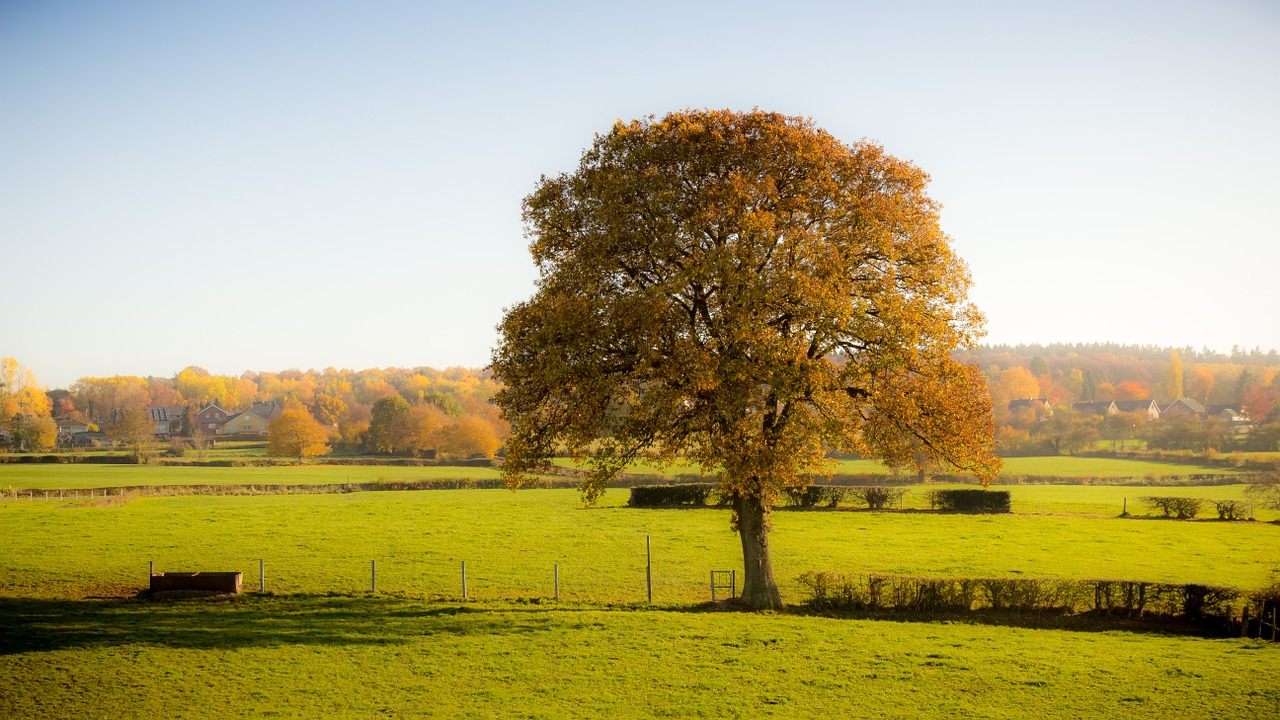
(1046, 620)
(246, 622)
(226, 623)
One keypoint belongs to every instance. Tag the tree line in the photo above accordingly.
(1062, 375)
(414, 411)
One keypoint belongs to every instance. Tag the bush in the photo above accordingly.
(1180, 508)
(1230, 509)
(815, 496)
(1197, 604)
(876, 497)
(670, 495)
(976, 501)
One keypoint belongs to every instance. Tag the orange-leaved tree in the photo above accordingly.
(748, 293)
(297, 433)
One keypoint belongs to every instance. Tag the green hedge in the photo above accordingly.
(1200, 604)
(1181, 508)
(815, 496)
(877, 496)
(671, 495)
(974, 501)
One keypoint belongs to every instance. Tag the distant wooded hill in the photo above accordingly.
(1068, 373)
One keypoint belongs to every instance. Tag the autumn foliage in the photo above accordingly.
(296, 433)
(744, 291)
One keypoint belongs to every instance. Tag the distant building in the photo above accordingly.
(1037, 404)
(1183, 407)
(1146, 406)
(1104, 407)
(267, 410)
(67, 428)
(209, 420)
(243, 423)
(1226, 413)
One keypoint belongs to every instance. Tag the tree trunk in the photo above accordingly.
(759, 589)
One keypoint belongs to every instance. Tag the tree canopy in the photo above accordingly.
(295, 432)
(746, 292)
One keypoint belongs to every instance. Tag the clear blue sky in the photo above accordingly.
(272, 185)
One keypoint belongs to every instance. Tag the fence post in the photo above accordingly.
(262, 576)
(648, 567)
(373, 576)
(557, 581)
(464, 579)
(713, 586)
(151, 569)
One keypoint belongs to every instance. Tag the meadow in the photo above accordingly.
(361, 657)
(74, 641)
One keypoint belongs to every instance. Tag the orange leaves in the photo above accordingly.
(296, 433)
(746, 291)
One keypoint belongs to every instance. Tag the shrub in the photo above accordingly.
(876, 497)
(1230, 509)
(976, 501)
(670, 495)
(1181, 508)
(1204, 605)
(815, 496)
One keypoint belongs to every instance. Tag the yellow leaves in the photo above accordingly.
(296, 433)
(21, 392)
(746, 291)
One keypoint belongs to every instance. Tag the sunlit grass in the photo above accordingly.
(511, 541)
(359, 657)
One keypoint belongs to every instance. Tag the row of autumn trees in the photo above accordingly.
(414, 411)
(1248, 382)
(421, 411)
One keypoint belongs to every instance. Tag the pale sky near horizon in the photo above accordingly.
(273, 185)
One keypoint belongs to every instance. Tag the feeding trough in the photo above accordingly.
(218, 582)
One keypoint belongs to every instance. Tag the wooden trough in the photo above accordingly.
(221, 582)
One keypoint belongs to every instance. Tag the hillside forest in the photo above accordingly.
(425, 412)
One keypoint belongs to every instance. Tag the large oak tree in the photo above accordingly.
(748, 293)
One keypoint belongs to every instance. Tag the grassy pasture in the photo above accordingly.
(321, 646)
(510, 541)
(360, 657)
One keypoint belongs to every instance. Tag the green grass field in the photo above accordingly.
(511, 541)
(320, 645)
(361, 657)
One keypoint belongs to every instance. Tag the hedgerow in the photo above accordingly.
(1195, 603)
(877, 496)
(1180, 508)
(670, 495)
(975, 501)
(815, 496)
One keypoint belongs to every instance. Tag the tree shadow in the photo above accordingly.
(247, 622)
(33, 625)
(1090, 622)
